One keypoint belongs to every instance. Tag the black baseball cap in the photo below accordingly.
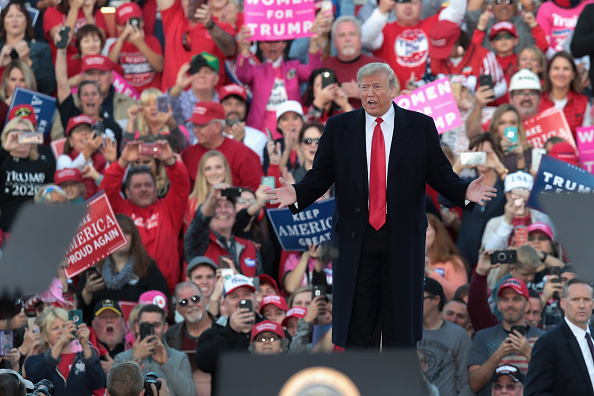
(107, 304)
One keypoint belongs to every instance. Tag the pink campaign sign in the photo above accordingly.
(435, 100)
(272, 20)
(585, 143)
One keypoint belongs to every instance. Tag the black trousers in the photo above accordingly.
(372, 318)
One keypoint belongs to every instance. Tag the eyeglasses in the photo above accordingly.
(542, 238)
(185, 301)
(264, 339)
(507, 2)
(426, 297)
(309, 141)
(19, 130)
(505, 36)
(251, 201)
(526, 94)
(509, 387)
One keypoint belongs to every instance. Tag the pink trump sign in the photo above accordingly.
(435, 100)
(272, 20)
(585, 143)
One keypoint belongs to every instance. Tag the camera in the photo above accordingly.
(43, 387)
(504, 257)
(151, 378)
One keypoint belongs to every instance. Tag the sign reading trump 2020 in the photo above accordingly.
(296, 232)
(272, 20)
(556, 176)
(98, 236)
(435, 100)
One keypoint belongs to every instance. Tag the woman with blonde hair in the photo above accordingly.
(145, 119)
(16, 74)
(516, 156)
(443, 261)
(22, 173)
(73, 368)
(213, 169)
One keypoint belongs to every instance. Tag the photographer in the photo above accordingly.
(153, 354)
(126, 379)
(324, 97)
(218, 215)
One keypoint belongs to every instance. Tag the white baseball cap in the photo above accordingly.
(518, 180)
(524, 79)
(289, 105)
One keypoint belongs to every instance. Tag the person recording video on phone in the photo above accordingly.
(73, 368)
(126, 379)
(370, 154)
(159, 221)
(231, 333)
(324, 97)
(210, 233)
(153, 354)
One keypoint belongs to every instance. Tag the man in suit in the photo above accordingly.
(562, 359)
(379, 231)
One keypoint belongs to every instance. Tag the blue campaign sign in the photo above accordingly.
(556, 176)
(312, 226)
(44, 106)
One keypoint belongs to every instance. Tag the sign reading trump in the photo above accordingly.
(98, 236)
(273, 20)
(296, 232)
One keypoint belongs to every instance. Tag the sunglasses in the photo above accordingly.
(251, 201)
(309, 141)
(505, 36)
(185, 301)
(542, 238)
(264, 339)
(506, 2)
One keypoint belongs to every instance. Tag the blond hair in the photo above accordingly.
(46, 320)
(201, 187)
(12, 124)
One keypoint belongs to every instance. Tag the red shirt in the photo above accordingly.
(175, 26)
(137, 70)
(406, 48)
(53, 17)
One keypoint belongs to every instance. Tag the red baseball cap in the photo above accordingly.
(564, 151)
(541, 227)
(205, 112)
(99, 62)
(517, 285)
(67, 174)
(126, 11)
(232, 89)
(503, 26)
(295, 312)
(78, 120)
(267, 325)
(25, 111)
(274, 299)
(267, 279)
(442, 37)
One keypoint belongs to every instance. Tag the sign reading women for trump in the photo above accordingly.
(296, 232)
(435, 100)
(272, 20)
(98, 236)
(556, 176)
(585, 141)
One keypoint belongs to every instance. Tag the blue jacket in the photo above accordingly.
(86, 375)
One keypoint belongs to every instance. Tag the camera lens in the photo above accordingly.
(502, 257)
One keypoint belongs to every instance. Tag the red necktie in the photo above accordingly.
(377, 178)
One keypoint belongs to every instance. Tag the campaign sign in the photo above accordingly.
(98, 236)
(272, 20)
(546, 124)
(57, 147)
(585, 142)
(435, 100)
(313, 226)
(44, 106)
(556, 176)
(34, 12)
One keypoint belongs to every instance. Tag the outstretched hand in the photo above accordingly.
(283, 196)
(478, 193)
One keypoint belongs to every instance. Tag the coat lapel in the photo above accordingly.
(357, 151)
(402, 133)
(577, 352)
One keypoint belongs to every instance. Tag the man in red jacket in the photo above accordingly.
(209, 121)
(158, 220)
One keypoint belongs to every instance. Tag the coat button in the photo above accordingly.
(352, 234)
(357, 210)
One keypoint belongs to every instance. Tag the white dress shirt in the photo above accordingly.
(388, 130)
(580, 336)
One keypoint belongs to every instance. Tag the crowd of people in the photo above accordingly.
(172, 107)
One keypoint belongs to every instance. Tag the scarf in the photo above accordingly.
(116, 281)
